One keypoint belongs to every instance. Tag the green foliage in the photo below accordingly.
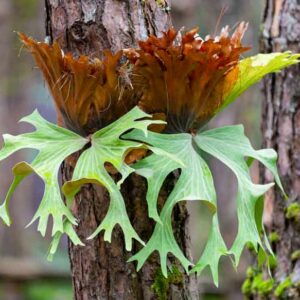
(281, 288)
(161, 283)
(48, 290)
(250, 247)
(55, 144)
(293, 212)
(272, 262)
(160, 3)
(107, 147)
(262, 286)
(246, 287)
(250, 272)
(170, 152)
(195, 183)
(229, 145)
(255, 283)
(295, 255)
(274, 237)
(253, 69)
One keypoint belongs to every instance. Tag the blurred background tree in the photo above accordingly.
(24, 271)
(281, 131)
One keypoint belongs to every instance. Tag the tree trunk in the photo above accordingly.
(281, 131)
(99, 270)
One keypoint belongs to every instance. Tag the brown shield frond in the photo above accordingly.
(88, 93)
(186, 80)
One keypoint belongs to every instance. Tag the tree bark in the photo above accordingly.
(99, 270)
(281, 131)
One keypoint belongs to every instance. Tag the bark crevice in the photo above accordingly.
(281, 127)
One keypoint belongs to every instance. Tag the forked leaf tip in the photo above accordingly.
(28, 118)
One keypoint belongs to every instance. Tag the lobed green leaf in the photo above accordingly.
(108, 147)
(253, 69)
(231, 146)
(228, 144)
(54, 145)
(170, 152)
(195, 183)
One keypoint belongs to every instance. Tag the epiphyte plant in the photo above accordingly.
(158, 97)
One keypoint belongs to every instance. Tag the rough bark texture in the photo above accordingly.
(99, 270)
(281, 131)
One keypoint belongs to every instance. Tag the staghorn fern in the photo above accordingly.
(183, 85)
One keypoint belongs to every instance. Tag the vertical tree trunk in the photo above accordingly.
(99, 270)
(281, 131)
